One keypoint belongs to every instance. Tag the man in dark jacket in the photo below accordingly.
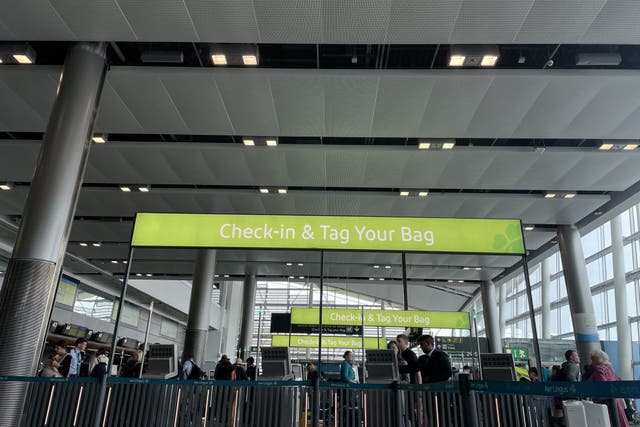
(402, 341)
(224, 368)
(434, 365)
(571, 368)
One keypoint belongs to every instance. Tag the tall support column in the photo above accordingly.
(623, 328)
(489, 311)
(583, 318)
(195, 340)
(545, 296)
(502, 315)
(248, 309)
(33, 270)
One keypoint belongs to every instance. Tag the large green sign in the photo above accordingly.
(499, 236)
(311, 341)
(406, 319)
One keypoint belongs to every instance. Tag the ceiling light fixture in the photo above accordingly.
(6, 186)
(249, 60)
(301, 277)
(144, 189)
(249, 142)
(83, 244)
(387, 267)
(371, 278)
(289, 264)
(404, 193)
(139, 274)
(381, 279)
(219, 59)
(264, 191)
(529, 227)
(456, 60)
(125, 189)
(23, 59)
(466, 268)
(550, 195)
(300, 264)
(148, 274)
(424, 145)
(423, 193)
(489, 61)
(569, 195)
(291, 277)
(99, 139)
(114, 261)
(96, 244)
(282, 191)
(376, 266)
(226, 275)
(448, 145)
(630, 147)
(478, 268)
(272, 142)
(605, 147)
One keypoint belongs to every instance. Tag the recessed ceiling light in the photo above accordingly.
(219, 59)
(424, 146)
(460, 281)
(264, 190)
(249, 142)
(569, 195)
(605, 147)
(139, 274)
(630, 147)
(478, 268)
(381, 279)
(450, 281)
(597, 213)
(216, 275)
(376, 266)
(148, 274)
(144, 189)
(291, 277)
(249, 60)
(301, 277)
(23, 59)
(448, 145)
(466, 268)
(84, 244)
(0, 60)
(96, 244)
(289, 264)
(456, 60)
(125, 262)
(423, 193)
(99, 139)
(272, 142)
(550, 195)
(6, 186)
(282, 191)
(226, 275)
(114, 261)
(489, 61)
(125, 189)
(404, 193)
(387, 267)
(371, 278)
(300, 264)
(529, 227)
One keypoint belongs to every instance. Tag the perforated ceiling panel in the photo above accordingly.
(325, 21)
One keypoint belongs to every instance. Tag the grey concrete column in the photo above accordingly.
(248, 309)
(30, 282)
(623, 328)
(545, 297)
(195, 340)
(502, 314)
(490, 314)
(583, 318)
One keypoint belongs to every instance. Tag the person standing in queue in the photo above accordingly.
(239, 373)
(404, 376)
(224, 368)
(434, 365)
(62, 359)
(347, 371)
(402, 341)
(77, 357)
(252, 369)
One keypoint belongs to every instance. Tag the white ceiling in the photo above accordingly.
(342, 103)
(325, 21)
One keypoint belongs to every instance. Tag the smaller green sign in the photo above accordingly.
(311, 341)
(518, 353)
(406, 319)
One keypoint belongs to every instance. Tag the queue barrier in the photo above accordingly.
(155, 402)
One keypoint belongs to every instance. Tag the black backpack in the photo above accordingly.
(196, 373)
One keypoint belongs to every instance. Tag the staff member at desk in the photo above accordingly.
(434, 365)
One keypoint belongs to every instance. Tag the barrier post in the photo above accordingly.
(398, 400)
(316, 401)
(469, 412)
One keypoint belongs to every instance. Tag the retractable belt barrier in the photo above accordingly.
(156, 402)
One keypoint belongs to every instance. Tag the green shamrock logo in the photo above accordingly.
(510, 241)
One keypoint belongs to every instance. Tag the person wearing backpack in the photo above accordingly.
(239, 373)
(190, 370)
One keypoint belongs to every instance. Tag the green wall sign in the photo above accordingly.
(499, 236)
(406, 319)
(311, 341)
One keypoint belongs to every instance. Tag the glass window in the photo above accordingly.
(536, 293)
(613, 334)
(626, 223)
(168, 328)
(562, 288)
(594, 272)
(565, 323)
(599, 307)
(535, 274)
(553, 324)
(591, 242)
(606, 231)
(632, 305)
(92, 305)
(611, 306)
(628, 258)
(556, 264)
(608, 267)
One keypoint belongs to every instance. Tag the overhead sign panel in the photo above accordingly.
(407, 318)
(311, 341)
(498, 236)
